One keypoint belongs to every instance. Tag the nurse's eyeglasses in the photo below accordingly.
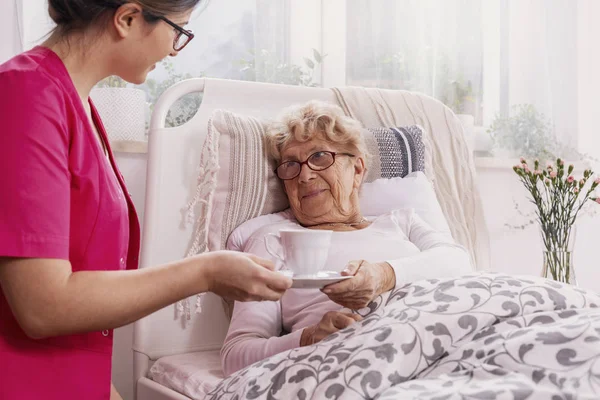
(183, 36)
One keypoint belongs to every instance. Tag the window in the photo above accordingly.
(426, 46)
(527, 70)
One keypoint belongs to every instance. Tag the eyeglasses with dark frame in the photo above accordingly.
(318, 161)
(178, 43)
(183, 36)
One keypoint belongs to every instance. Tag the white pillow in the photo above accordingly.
(413, 191)
(376, 198)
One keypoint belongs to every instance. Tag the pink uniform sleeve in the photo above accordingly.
(34, 167)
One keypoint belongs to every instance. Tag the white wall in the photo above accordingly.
(588, 64)
(513, 251)
(10, 30)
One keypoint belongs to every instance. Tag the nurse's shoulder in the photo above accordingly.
(34, 76)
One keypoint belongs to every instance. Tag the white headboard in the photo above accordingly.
(173, 159)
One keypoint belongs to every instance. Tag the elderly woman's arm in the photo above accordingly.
(440, 256)
(254, 334)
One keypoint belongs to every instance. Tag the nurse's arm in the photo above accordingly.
(48, 299)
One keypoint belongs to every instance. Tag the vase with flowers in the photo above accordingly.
(558, 197)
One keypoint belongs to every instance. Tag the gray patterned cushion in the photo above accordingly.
(247, 187)
(395, 152)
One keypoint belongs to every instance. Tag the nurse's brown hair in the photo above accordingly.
(78, 15)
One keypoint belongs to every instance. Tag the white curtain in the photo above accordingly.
(230, 36)
(11, 29)
(542, 63)
(234, 40)
(430, 46)
(514, 65)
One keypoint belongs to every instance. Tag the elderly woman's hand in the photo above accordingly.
(331, 322)
(369, 281)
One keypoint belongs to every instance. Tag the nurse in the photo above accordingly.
(69, 235)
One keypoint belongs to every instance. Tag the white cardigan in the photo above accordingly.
(413, 249)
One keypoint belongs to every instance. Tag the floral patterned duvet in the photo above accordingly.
(486, 336)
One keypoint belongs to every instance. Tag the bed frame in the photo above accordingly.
(173, 158)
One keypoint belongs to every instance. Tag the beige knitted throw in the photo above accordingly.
(448, 161)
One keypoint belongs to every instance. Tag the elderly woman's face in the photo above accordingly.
(330, 195)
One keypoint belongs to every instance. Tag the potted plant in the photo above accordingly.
(185, 108)
(122, 109)
(462, 101)
(558, 198)
(392, 71)
(526, 132)
(268, 67)
(457, 93)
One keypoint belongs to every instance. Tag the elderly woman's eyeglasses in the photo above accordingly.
(182, 37)
(318, 161)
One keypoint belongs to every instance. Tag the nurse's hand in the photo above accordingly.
(244, 277)
(114, 395)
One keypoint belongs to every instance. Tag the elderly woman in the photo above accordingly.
(322, 161)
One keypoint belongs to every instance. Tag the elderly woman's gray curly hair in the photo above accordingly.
(316, 119)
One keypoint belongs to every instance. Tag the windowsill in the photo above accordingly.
(129, 146)
(487, 162)
(482, 162)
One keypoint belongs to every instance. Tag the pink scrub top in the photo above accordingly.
(61, 198)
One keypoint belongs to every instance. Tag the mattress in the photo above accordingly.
(189, 374)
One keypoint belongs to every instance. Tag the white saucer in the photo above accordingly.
(314, 281)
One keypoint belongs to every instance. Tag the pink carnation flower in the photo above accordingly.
(570, 179)
(597, 181)
(576, 190)
(582, 182)
(526, 168)
(553, 174)
(537, 172)
(598, 200)
(522, 160)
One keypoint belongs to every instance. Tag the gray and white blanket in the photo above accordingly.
(486, 336)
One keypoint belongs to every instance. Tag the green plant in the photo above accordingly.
(112, 82)
(558, 198)
(395, 71)
(268, 67)
(185, 108)
(453, 88)
(458, 95)
(526, 132)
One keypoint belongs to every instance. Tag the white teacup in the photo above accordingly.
(304, 251)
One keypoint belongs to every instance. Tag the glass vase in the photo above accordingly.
(558, 265)
(558, 255)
